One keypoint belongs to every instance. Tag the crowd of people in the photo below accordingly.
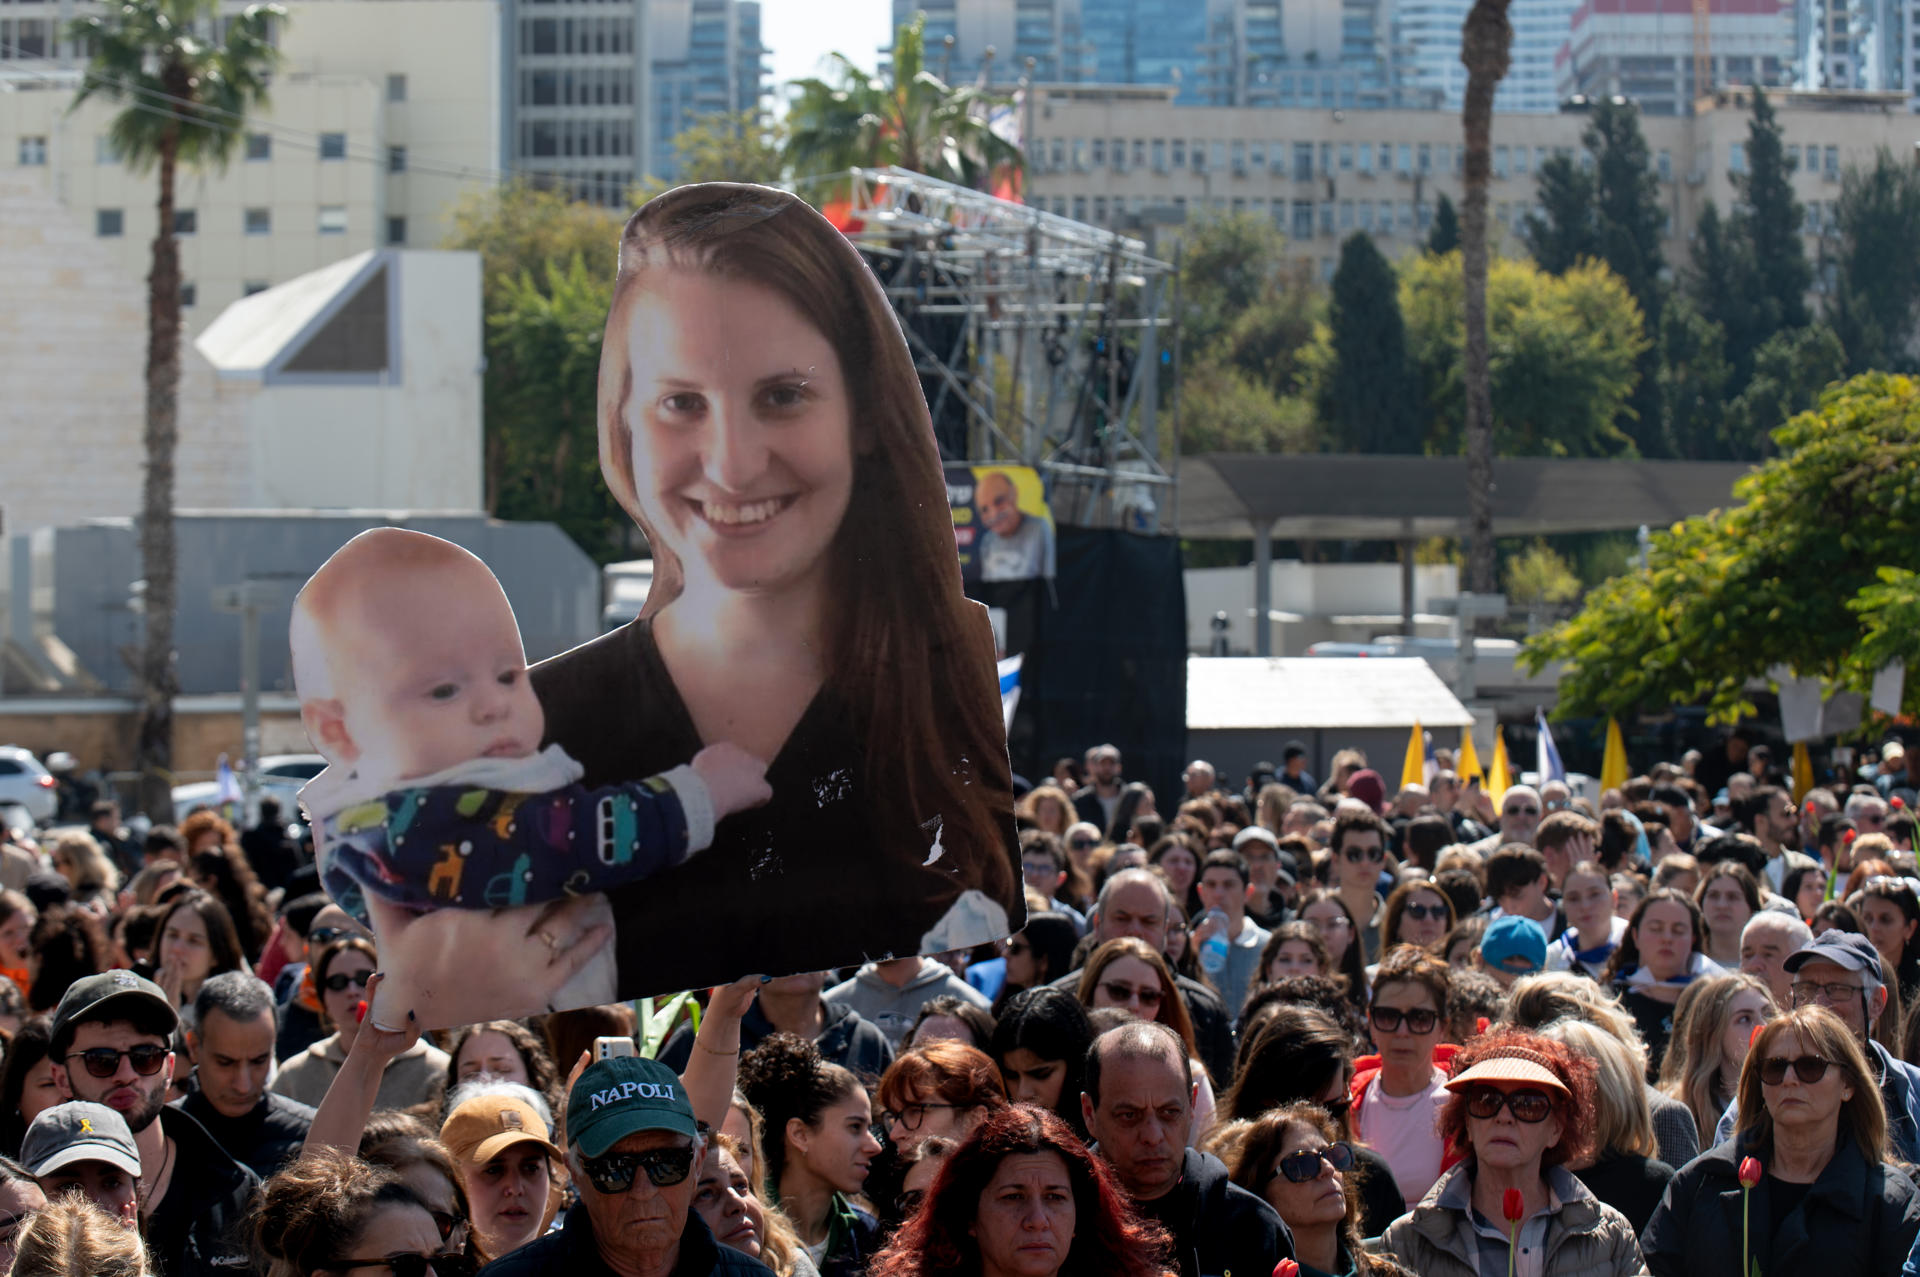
(1433, 1031)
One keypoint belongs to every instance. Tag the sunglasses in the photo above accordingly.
(321, 937)
(104, 1061)
(1424, 913)
(1808, 1068)
(1521, 811)
(446, 1222)
(1389, 1019)
(1528, 1105)
(1083, 844)
(613, 1174)
(1127, 993)
(1355, 855)
(1304, 1167)
(451, 1265)
(339, 980)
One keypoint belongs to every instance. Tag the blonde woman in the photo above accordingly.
(1713, 1024)
(71, 1237)
(726, 1199)
(79, 859)
(1624, 1170)
(1049, 808)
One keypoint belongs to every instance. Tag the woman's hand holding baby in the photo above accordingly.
(735, 779)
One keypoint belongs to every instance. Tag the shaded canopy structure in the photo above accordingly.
(1311, 496)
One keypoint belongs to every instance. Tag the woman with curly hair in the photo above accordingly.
(68, 943)
(331, 1212)
(507, 1051)
(1297, 1159)
(1023, 1195)
(216, 864)
(1521, 1108)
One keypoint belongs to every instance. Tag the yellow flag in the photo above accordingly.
(1413, 771)
(1802, 772)
(1467, 765)
(1613, 765)
(1500, 779)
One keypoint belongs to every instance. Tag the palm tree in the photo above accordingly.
(1486, 42)
(852, 119)
(185, 99)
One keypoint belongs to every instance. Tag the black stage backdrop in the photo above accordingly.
(1106, 657)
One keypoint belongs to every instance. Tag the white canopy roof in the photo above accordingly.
(1306, 692)
(248, 336)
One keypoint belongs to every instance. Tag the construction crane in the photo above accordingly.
(1702, 48)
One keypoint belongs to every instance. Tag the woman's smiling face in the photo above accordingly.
(743, 448)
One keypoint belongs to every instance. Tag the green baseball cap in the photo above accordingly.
(615, 1098)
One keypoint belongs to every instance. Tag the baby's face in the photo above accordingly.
(435, 676)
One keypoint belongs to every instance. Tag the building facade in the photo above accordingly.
(366, 144)
(1643, 49)
(1130, 157)
(1871, 45)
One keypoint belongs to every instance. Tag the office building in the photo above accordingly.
(957, 35)
(1873, 45)
(1643, 49)
(704, 58)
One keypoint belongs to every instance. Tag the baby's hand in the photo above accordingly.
(735, 779)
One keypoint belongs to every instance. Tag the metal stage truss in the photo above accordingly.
(1040, 340)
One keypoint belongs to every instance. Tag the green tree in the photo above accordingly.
(1876, 299)
(1369, 403)
(542, 386)
(184, 101)
(741, 146)
(1563, 351)
(1539, 581)
(1628, 220)
(1445, 235)
(1563, 232)
(1228, 263)
(519, 229)
(851, 119)
(1693, 380)
(1717, 278)
(1223, 409)
(1790, 370)
(1787, 576)
(1486, 48)
(1768, 218)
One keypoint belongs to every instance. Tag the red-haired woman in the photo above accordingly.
(1522, 1107)
(1022, 1195)
(943, 1088)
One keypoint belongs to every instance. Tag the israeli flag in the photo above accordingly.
(1546, 757)
(226, 784)
(1009, 688)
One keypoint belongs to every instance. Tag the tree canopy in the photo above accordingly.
(1813, 569)
(1370, 400)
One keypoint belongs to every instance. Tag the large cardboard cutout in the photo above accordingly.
(793, 760)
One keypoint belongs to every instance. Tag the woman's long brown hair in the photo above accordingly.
(907, 653)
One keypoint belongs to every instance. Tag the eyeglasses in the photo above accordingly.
(1304, 1166)
(613, 1174)
(1389, 1019)
(910, 1116)
(448, 1265)
(1337, 1109)
(1521, 811)
(1808, 1068)
(320, 937)
(446, 1222)
(1127, 993)
(1083, 844)
(339, 980)
(104, 1061)
(908, 1203)
(1809, 991)
(1422, 913)
(1355, 855)
(1526, 1105)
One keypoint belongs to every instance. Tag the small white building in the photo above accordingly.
(359, 383)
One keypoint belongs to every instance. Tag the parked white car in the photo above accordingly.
(25, 782)
(281, 776)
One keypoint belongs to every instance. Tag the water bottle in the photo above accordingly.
(1213, 954)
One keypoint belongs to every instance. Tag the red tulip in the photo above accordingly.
(1286, 1268)
(1847, 835)
(359, 1012)
(1750, 1172)
(1898, 802)
(1513, 1205)
(1481, 1024)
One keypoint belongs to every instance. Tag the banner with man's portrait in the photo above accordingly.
(1002, 527)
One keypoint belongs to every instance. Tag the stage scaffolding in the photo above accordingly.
(1040, 340)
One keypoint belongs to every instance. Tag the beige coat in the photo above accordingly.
(1587, 1238)
(418, 1075)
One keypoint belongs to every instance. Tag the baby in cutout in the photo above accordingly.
(413, 684)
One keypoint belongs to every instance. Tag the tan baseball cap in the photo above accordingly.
(487, 1125)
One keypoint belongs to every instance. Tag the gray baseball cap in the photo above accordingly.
(79, 1132)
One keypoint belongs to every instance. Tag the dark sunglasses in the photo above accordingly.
(1304, 1167)
(446, 1222)
(1355, 855)
(1808, 1068)
(664, 1167)
(1389, 1019)
(1123, 993)
(321, 937)
(1423, 913)
(339, 980)
(450, 1265)
(1521, 811)
(1527, 1105)
(1083, 844)
(104, 1061)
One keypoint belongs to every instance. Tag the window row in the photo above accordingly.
(585, 86)
(576, 35)
(561, 138)
(331, 219)
(259, 146)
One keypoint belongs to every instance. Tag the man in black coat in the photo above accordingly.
(1138, 1105)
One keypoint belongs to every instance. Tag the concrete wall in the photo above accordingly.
(100, 733)
(1317, 592)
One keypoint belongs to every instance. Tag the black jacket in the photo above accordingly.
(264, 1140)
(1086, 806)
(572, 1251)
(1212, 1026)
(1217, 1226)
(846, 1039)
(1631, 1184)
(200, 1226)
(1856, 1218)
